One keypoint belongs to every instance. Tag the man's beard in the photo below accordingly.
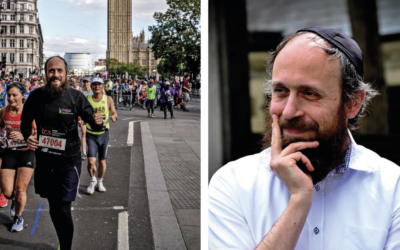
(56, 91)
(333, 142)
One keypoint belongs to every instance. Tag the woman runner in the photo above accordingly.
(17, 165)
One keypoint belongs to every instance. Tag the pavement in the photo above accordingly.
(153, 191)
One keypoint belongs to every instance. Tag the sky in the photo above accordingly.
(80, 26)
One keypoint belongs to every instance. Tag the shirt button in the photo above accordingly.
(316, 230)
(317, 188)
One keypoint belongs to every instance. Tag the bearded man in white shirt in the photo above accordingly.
(312, 187)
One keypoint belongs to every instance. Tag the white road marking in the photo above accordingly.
(130, 134)
(118, 207)
(123, 231)
(128, 118)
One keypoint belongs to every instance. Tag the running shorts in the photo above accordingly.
(14, 159)
(97, 144)
(186, 97)
(2, 152)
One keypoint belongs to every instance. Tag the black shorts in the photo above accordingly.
(57, 180)
(97, 144)
(14, 159)
(2, 152)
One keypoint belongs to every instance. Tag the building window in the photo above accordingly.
(21, 29)
(12, 57)
(12, 17)
(144, 62)
(31, 30)
(22, 6)
(12, 6)
(152, 54)
(134, 54)
(30, 58)
(30, 18)
(3, 30)
(12, 29)
(21, 17)
(144, 55)
(12, 43)
(152, 62)
(134, 61)
(4, 17)
(3, 43)
(21, 43)
(29, 7)
(21, 57)
(4, 54)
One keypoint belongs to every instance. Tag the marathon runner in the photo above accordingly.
(18, 161)
(98, 141)
(86, 90)
(55, 109)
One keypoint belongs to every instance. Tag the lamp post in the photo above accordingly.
(32, 54)
(148, 60)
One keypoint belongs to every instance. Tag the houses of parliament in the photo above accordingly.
(121, 44)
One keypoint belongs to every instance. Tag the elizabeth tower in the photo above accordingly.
(119, 25)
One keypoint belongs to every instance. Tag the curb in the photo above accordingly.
(166, 230)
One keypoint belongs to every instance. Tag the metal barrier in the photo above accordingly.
(121, 100)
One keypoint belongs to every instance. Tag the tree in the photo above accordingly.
(111, 63)
(176, 37)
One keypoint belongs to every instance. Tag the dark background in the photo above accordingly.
(241, 32)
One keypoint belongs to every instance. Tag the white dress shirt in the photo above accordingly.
(359, 209)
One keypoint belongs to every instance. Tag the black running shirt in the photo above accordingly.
(57, 125)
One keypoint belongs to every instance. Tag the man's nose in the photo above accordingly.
(293, 108)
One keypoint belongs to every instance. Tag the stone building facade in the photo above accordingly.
(21, 40)
(121, 45)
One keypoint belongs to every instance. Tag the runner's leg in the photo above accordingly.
(7, 182)
(83, 139)
(102, 168)
(60, 213)
(24, 175)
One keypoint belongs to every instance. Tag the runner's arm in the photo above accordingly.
(2, 112)
(111, 107)
(28, 115)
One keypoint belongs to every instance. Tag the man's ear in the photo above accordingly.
(355, 104)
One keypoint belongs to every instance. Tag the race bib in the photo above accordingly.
(16, 143)
(52, 142)
(52, 139)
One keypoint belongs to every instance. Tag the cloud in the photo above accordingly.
(141, 9)
(144, 9)
(89, 6)
(61, 45)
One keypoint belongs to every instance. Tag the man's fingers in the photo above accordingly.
(276, 147)
(300, 157)
(296, 146)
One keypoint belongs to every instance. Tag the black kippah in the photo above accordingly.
(343, 42)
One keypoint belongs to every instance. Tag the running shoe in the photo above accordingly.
(172, 117)
(92, 185)
(152, 115)
(12, 209)
(101, 187)
(3, 200)
(84, 157)
(185, 109)
(18, 224)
